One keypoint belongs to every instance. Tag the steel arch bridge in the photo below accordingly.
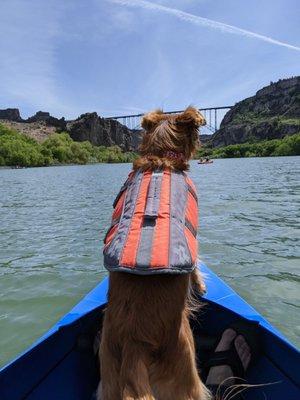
(213, 116)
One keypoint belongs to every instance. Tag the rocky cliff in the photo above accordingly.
(47, 119)
(273, 112)
(102, 132)
(11, 114)
(99, 131)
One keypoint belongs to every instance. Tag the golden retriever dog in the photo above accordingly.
(147, 348)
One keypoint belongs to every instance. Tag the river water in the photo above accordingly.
(53, 220)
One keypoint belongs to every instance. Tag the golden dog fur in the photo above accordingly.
(147, 347)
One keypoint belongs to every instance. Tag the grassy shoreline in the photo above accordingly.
(287, 146)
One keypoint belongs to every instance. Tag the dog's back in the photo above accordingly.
(147, 348)
(145, 309)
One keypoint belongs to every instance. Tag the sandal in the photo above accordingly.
(230, 357)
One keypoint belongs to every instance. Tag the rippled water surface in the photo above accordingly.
(52, 222)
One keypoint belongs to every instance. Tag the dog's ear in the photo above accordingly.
(191, 117)
(151, 119)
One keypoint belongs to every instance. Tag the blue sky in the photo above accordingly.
(129, 56)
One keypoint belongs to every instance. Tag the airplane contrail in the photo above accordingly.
(201, 21)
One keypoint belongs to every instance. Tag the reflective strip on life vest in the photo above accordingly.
(191, 213)
(123, 189)
(192, 186)
(180, 256)
(161, 239)
(128, 257)
(192, 244)
(113, 251)
(118, 208)
(190, 227)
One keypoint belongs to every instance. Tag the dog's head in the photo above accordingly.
(169, 140)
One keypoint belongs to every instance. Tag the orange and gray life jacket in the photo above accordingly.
(154, 225)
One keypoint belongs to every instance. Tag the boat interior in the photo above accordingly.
(65, 364)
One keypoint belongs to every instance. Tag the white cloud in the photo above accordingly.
(200, 21)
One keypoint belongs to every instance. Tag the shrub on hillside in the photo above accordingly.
(59, 148)
(17, 149)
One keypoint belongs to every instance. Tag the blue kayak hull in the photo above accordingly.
(62, 364)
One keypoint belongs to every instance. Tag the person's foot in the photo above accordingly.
(219, 375)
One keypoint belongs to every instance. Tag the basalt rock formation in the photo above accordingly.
(42, 116)
(11, 114)
(99, 131)
(272, 113)
(102, 132)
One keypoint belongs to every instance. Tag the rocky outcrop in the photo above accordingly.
(42, 116)
(273, 112)
(102, 132)
(11, 114)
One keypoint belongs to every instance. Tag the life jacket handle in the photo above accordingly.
(153, 195)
